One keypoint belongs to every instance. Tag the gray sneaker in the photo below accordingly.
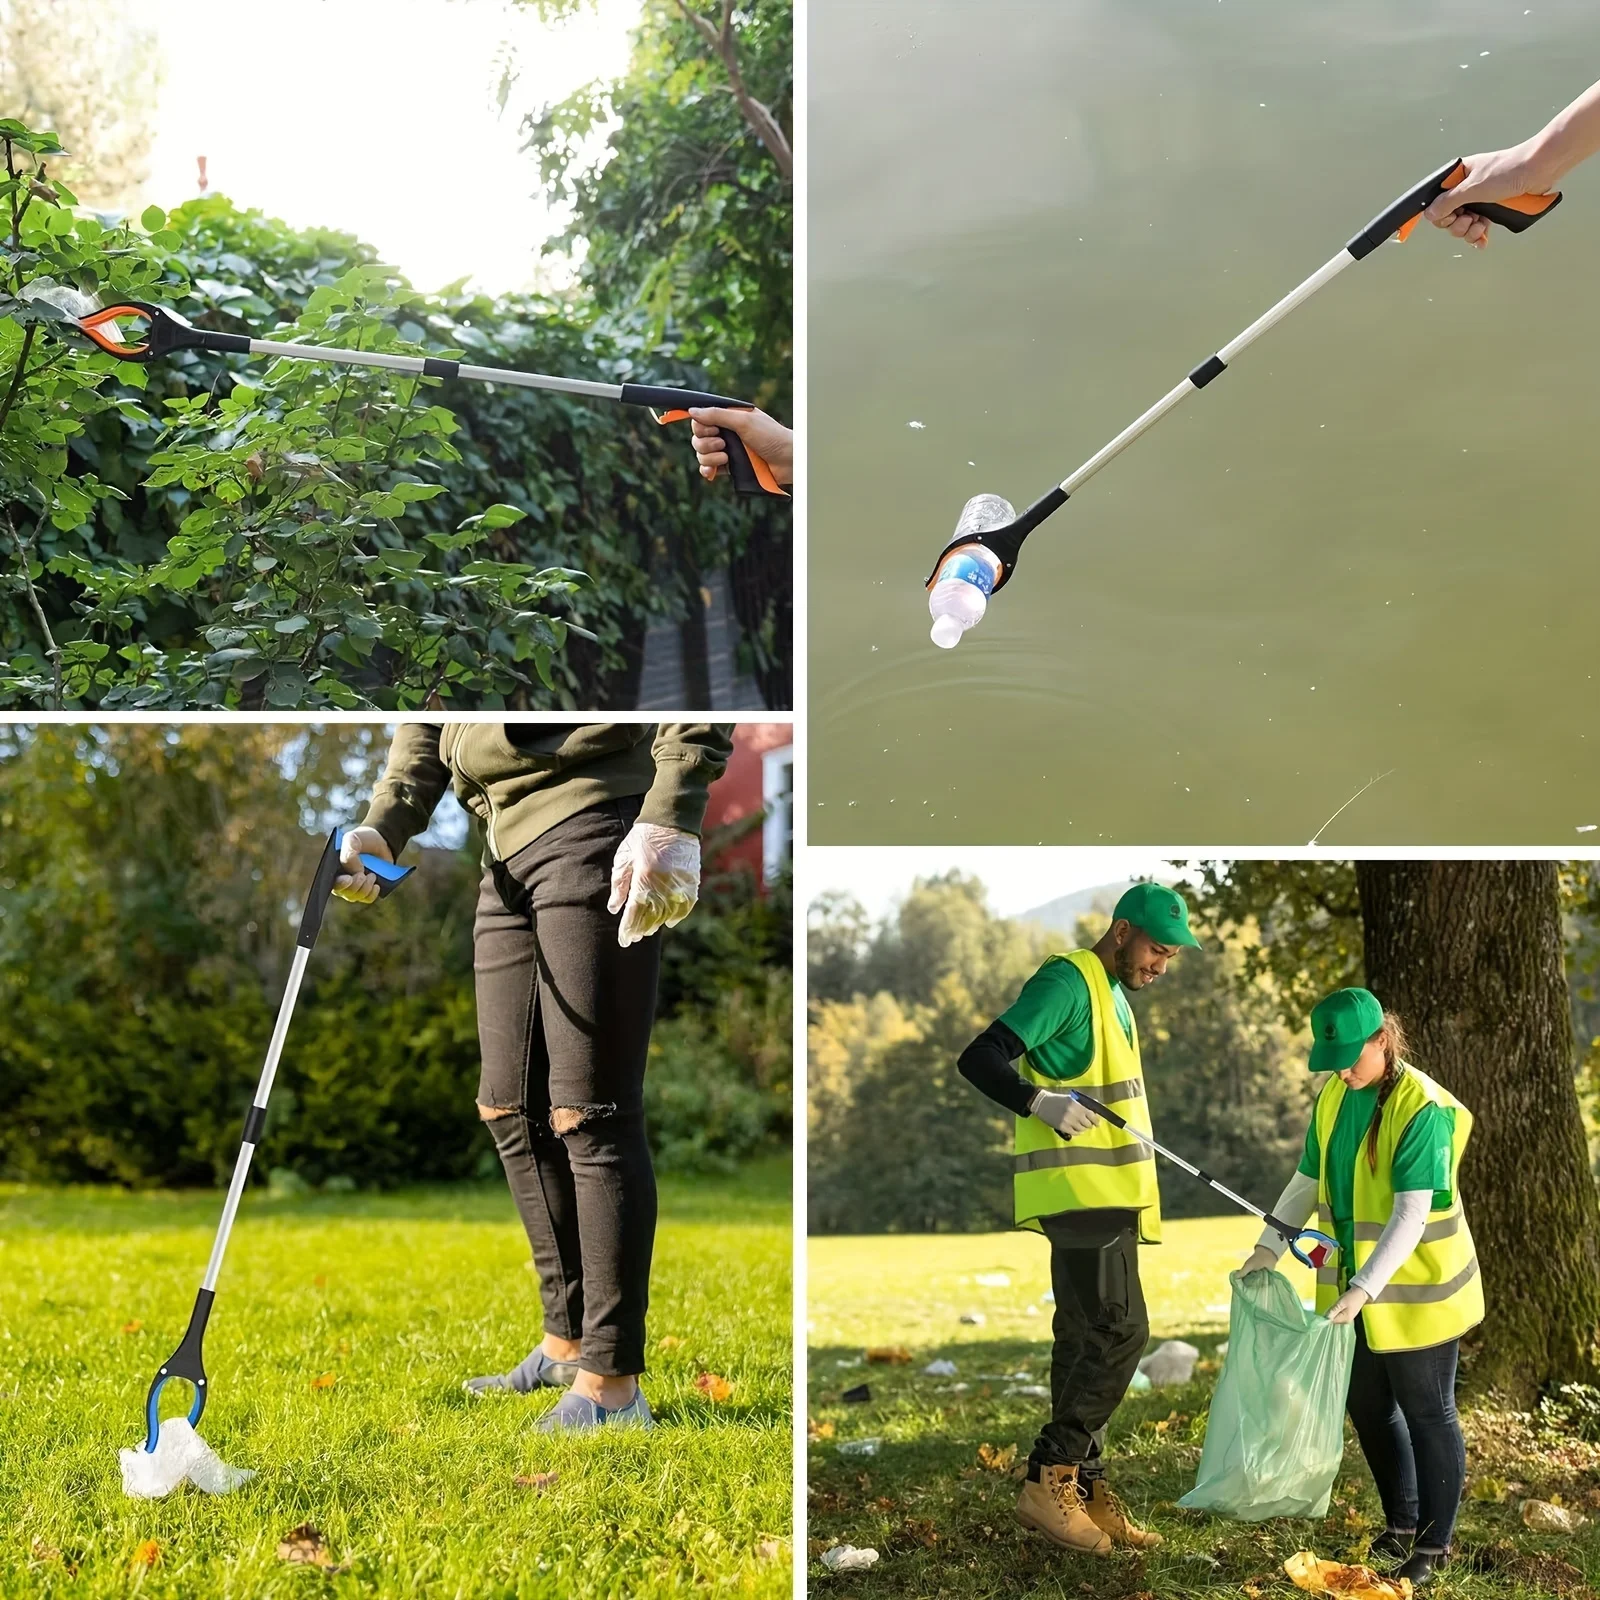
(535, 1371)
(577, 1413)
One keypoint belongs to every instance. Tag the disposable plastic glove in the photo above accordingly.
(1348, 1306)
(1261, 1256)
(655, 880)
(356, 884)
(1061, 1112)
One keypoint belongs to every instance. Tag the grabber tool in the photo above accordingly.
(1310, 1248)
(990, 531)
(187, 1361)
(135, 330)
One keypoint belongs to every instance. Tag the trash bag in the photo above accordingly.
(1275, 1435)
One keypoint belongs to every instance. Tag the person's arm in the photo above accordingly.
(1535, 166)
(1402, 1233)
(986, 1065)
(689, 757)
(769, 439)
(403, 802)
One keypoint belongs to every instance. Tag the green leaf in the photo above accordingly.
(294, 624)
(151, 218)
(497, 516)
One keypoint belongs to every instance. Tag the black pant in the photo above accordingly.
(564, 1017)
(1403, 1405)
(1101, 1328)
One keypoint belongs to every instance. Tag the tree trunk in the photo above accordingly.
(1469, 954)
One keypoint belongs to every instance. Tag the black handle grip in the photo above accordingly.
(329, 869)
(1518, 215)
(740, 467)
(1513, 217)
(1099, 1110)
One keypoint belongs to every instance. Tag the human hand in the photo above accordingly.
(655, 880)
(1494, 175)
(356, 884)
(1063, 1113)
(766, 438)
(1260, 1259)
(1344, 1309)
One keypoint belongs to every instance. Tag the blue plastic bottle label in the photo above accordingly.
(968, 568)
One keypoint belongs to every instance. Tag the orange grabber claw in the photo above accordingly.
(1397, 220)
(751, 475)
(164, 331)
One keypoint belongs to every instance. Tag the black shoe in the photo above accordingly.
(1419, 1568)
(1391, 1545)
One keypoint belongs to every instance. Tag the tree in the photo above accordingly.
(1470, 954)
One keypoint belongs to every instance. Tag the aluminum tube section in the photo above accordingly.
(1127, 436)
(328, 352)
(537, 380)
(1294, 298)
(1221, 1188)
(269, 1070)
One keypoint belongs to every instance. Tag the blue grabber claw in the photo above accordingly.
(1313, 1249)
(185, 1362)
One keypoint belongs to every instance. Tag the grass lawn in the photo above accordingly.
(410, 1481)
(943, 1522)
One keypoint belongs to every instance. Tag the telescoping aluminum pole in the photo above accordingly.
(117, 331)
(1004, 539)
(1316, 1254)
(187, 1360)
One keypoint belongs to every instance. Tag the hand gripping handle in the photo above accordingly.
(389, 877)
(1400, 218)
(751, 475)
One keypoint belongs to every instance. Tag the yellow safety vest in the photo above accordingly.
(1105, 1166)
(1436, 1294)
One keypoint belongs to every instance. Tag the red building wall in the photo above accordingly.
(737, 793)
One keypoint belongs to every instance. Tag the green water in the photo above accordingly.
(1370, 548)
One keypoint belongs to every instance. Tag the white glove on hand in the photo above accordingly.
(1263, 1257)
(1348, 1306)
(655, 880)
(1061, 1112)
(356, 884)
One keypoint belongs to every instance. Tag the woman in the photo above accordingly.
(591, 847)
(1380, 1168)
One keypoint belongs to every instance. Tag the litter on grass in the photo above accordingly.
(846, 1558)
(860, 1447)
(1346, 1583)
(1171, 1362)
(1034, 1391)
(973, 1319)
(857, 1396)
(180, 1454)
(939, 1369)
(1140, 1384)
(1543, 1517)
(994, 1280)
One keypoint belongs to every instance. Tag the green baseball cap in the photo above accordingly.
(1341, 1024)
(1160, 912)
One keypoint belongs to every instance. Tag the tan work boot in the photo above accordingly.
(1110, 1516)
(1054, 1506)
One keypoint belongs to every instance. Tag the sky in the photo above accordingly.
(1018, 878)
(377, 117)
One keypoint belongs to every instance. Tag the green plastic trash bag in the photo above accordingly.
(1276, 1431)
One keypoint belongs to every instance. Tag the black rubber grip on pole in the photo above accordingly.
(321, 887)
(255, 1123)
(434, 367)
(1099, 1110)
(1211, 367)
(650, 394)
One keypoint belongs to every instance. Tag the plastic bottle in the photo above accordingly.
(967, 576)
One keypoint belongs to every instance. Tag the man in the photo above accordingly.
(1090, 1189)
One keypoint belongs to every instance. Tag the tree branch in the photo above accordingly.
(725, 47)
(16, 377)
(51, 649)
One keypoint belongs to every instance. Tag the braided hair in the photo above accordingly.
(1393, 1034)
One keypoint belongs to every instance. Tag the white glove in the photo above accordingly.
(1061, 1112)
(655, 880)
(1348, 1306)
(356, 883)
(1263, 1257)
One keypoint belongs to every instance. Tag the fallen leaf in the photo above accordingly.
(770, 1549)
(716, 1387)
(536, 1480)
(997, 1458)
(1487, 1489)
(321, 1280)
(147, 1555)
(42, 1550)
(326, 1381)
(669, 1341)
(1345, 1582)
(890, 1355)
(818, 1430)
(305, 1546)
(132, 1327)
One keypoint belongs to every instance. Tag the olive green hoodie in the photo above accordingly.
(521, 778)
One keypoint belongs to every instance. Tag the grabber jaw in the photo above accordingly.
(1003, 539)
(1313, 1249)
(186, 1362)
(163, 332)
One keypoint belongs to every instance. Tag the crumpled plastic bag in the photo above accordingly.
(846, 1558)
(655, 880)
(1346, 1583)
(1543, 1517)
(1275, 1435)
(180, 1453)
(1172, 1362)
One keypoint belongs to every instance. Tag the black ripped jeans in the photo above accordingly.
(564, 1017)
(1403, 1405)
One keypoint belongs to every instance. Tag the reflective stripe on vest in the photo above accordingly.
(1436, 1293)
(1103, 1167)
